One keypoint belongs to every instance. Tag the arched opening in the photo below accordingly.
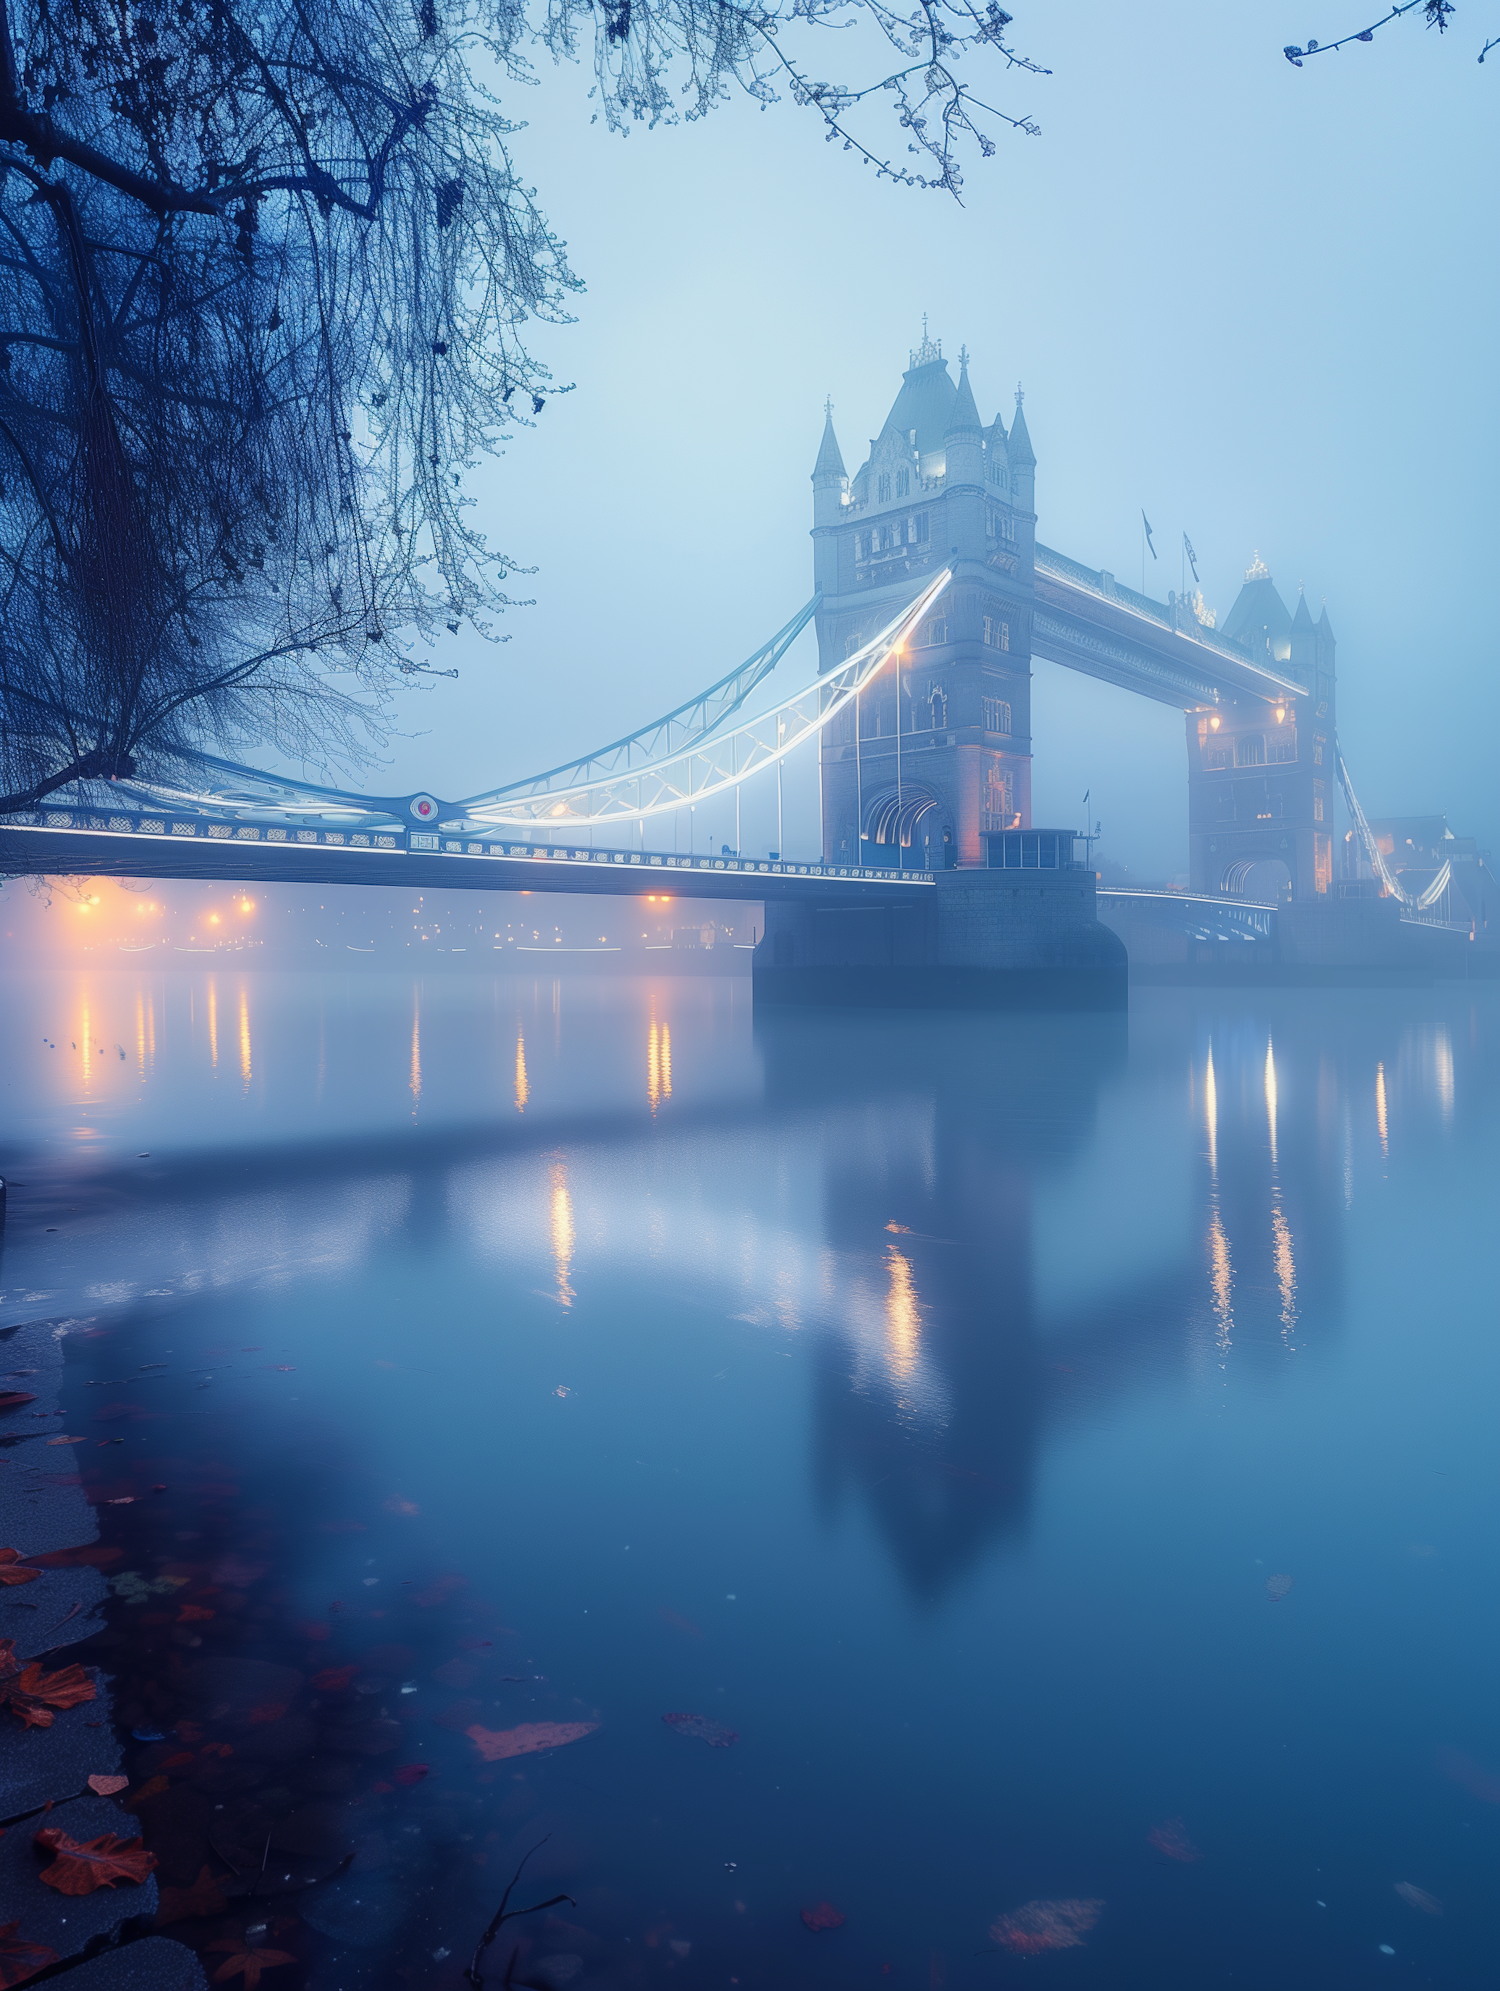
(904, 831)
(1267, 879)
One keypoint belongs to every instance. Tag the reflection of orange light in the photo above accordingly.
(247, 905)
(903, 1318)
(658, 899)
(213, 919)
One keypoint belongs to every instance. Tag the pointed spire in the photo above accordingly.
(965, 415)
(830, 463)
(1324, 625)
(1020, 437)
(1303, 618)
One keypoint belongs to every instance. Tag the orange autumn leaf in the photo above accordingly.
(32, 1695)
(20, 1960)
(82, 1865)
(152, 1787)
(192, 1614)
(246, 1962)
(495, 1745)
(11, 1570)
(107, 1786)
(185, 1904)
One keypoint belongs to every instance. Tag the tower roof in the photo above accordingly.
(830, 461)
(1257, 606)
(925, 402)
(963, 416)
(1325, 627)
(1303, 617)
(1021, 451)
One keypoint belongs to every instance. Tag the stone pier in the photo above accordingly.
(979, 939)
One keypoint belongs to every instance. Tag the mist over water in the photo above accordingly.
(1056, 1450)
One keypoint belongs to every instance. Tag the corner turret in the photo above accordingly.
(1022, 458)
(829, 478)
(963, 439)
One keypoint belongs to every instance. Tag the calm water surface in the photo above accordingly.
(1060, 1454)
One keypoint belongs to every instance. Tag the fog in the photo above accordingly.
(1257, 301)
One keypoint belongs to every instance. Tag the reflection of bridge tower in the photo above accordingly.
(942, 752)
(1261, 769)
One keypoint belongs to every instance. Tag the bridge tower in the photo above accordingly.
(941, 752)
(1261, 771)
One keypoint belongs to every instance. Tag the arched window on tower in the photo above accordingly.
(937, 707)
(883, 486)
(1250, 750)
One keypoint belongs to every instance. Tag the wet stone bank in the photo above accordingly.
(307, 1798)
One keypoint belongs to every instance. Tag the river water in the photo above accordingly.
(1025, 1487)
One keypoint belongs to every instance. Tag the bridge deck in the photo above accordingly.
(115, 847)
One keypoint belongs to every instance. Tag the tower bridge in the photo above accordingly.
(932, 595)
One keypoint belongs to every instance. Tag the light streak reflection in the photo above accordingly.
(903, 1316)
(564, 1237)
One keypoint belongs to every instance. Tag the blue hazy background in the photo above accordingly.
(1258, 301)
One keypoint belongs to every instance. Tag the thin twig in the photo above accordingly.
(504, 1913)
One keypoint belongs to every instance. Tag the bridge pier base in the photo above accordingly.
(980, 939)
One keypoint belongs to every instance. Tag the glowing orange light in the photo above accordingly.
(1214, 722)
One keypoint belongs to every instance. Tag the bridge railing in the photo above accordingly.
(168, 827)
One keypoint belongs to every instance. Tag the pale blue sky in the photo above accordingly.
(1259, 301)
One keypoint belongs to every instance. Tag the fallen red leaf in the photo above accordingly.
(10, 1570)
(19, 1959)
(194, 1614)
(702, 1729)
(1170, 1838)
(184, 1904)
(107, 1786)
(153, 1787)
(411, 1773)
(266, 1711)
(32, 1695)
(1045, 1925)
(13, 1399)
(90, 1555)
(333, 1679)
(824, 1916)
(246, 1962)
(81, 1865)
(495, 1745)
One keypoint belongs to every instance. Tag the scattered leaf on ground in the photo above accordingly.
(1045, 1925)
(13, 1399)
(701, 1729)
(1277, 1587)
(824, 1916)
(411, 1773)
(495, 1745)
(107, 1786)
(246, 1962)
(186, 1904)
(1418, 1897)
(333, 1679)
(1170, 1838)
(91, 1555)
(19, 1959)
(192, 1614)
(67, 1441)
(1474, 1777)
(11, 1571)
(32, 1695)
(81, 1865)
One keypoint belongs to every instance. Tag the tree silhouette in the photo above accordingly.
(266, 271)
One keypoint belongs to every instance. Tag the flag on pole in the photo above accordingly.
(1147, 524)
(1187, 547)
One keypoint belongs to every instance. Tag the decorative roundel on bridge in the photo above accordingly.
(424, 808)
